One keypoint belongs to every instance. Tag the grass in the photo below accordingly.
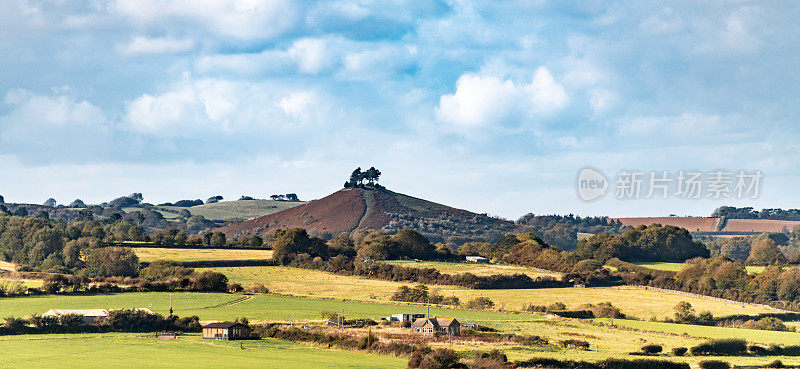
(751, 335)
(632, 301)
(246, 209)
(474, 268)
(149, 254)
(138, 351)
(676, 267)
(606, 341)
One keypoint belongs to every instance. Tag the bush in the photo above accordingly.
(436, 359)
(652, 349)
(679, 351)
(578, 344)
(720, 347)
(775, 364)
(714, 364)
(480, 303)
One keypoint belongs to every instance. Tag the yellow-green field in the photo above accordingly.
(675, 267)
(605, 340)
(632, 301)
(474, 268)
(191, 351)
(149, 254)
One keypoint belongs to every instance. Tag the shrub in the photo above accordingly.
(720, 347)
(775, 364)
(766, 324)
(714, 364)
(651, 349)
(259, 288)
(436, 359)
(556, 306)
(679, 351)
(480, 303)
(578, 344)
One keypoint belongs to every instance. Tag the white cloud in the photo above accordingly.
(240, 19)
(154, 46)
(738, 33)
(311, 55)
(296, 104)
(601, 100)
(52, 126)
(485, 100)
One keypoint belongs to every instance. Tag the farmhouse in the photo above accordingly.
(432, 325)
(226, 331)
(90, 316)
(404, 318)
(477, 259)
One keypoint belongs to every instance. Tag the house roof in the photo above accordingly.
(436, 322)
(222, 325)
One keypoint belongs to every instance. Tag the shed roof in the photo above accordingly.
(223, 325)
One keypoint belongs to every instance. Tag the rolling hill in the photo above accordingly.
(357, 208)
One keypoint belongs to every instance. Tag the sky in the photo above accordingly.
(489, 106)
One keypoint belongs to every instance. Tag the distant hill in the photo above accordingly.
(358, 208)
(711, 225)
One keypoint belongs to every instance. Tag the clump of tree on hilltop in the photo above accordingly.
(367, 178)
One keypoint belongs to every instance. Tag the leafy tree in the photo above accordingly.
(210, 281)
(51, 202)
(78, 203)
(356, 178)
(112, 261)
(765, 252)
(289, 243)
(218, 239)
(185, 213)
(214, 199)
(2, 200)
(292, 197)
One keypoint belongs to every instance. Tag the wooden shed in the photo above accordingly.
(226, 331)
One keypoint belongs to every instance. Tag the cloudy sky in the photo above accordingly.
(491, 106)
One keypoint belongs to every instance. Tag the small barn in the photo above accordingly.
(404, 318)
(447, 326)
(226, 331)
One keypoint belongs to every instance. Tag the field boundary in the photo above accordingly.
(711, 298)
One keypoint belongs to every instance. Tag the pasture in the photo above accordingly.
(149, 254)
(751, 335)
(240, 209)
(144, 351)
(676, 267)
(632, 301)
(478, 269)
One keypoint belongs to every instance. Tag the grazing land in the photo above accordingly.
(675, 267)
(144, 351)
(242, 209)
(149, 254)
(759, 225)
(751, 335)
(478, 269)
(632, 301)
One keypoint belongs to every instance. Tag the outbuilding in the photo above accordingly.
(477, 259)
(226, 331)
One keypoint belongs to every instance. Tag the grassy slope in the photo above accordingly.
(678, 266)
(248, 209)
(149, 254)
(636, 302)
(474, 268)
(138, 351)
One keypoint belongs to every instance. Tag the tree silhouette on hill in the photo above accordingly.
(358, 178)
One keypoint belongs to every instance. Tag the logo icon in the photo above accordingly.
(591, 184)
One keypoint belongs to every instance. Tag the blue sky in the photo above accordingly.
(491, 106)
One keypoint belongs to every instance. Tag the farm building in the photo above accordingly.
(477, 259)
(226, 331)
(90, 316)
(404, 318)
(336, 322)
(432, 325)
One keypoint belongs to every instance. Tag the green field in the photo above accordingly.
(229, 210)
(141, 351)
(751, 335)
(149, 254)
(632, 301)
(675, 267)
(474, 268)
